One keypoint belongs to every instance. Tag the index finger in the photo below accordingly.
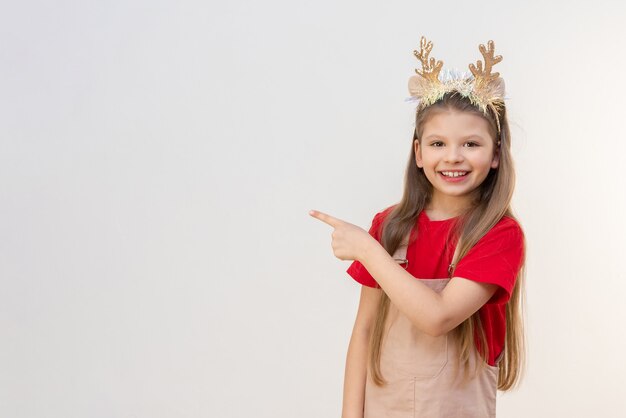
(330, 220)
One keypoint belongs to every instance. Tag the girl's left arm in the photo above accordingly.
(431, 312)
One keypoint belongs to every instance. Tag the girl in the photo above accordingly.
(442, 270)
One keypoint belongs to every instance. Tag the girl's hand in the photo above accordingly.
(350, 242)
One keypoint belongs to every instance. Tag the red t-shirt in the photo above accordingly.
(496, 258)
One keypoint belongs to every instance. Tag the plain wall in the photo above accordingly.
(158, 161)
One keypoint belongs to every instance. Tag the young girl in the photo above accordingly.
(442, 270)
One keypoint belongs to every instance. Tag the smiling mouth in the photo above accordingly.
(454, 174)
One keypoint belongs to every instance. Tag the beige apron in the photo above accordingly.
(424, 377)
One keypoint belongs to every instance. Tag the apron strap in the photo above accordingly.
(400, 255)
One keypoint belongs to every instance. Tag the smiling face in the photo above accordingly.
(457, 151)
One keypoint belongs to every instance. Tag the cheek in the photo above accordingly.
(482, 159)
(428, 155)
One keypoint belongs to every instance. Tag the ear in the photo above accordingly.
(496, 157)
(418, 153)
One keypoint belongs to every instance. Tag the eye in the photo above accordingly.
(436, 142)
(474, 144)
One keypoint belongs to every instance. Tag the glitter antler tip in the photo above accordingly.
(490, 60)
(430, 68)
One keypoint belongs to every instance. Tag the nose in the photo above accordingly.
(453, 154)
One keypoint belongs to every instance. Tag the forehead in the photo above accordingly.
(452, 123)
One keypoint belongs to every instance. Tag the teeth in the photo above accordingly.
(453, 173)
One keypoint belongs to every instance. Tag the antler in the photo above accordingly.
(490, 61)
(430, 69)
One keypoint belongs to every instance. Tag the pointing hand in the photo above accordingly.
(350, 242)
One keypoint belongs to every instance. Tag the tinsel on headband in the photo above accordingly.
(483, 88)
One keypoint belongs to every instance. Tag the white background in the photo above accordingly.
(158, 161)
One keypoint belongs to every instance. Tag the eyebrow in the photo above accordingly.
(465, 137)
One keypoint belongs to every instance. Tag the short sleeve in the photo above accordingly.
(356, 269)
(496, 258)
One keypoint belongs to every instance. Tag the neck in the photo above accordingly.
(448, 206)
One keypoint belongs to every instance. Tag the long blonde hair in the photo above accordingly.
(492, 202)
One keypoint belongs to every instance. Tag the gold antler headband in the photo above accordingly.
(485, 89)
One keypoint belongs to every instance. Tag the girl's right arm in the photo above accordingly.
(356, 360)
